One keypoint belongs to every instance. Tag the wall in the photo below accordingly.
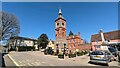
(94, 45)
(82, 47)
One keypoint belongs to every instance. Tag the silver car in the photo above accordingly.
(100, 57)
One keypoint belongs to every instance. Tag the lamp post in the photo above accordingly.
(57, 48)
(64, 48)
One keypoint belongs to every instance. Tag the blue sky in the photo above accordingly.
(84, 17)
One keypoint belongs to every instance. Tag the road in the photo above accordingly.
(37, 58)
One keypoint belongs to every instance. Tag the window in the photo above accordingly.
(99, 53)
(57, 24)
(98, 46)
(74, 45)
(62, 24)
(96, 42)
(72, 40)
(93, 53)
(70, 46)
(62, 33)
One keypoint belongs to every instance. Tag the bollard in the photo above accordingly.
(119, 56)
(1, 59)
(2, 63)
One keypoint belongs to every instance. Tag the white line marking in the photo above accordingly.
(13, 60)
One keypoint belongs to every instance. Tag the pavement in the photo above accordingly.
(37, 58)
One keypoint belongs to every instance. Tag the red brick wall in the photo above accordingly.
(85, 47)
(82, 47)
(74, 42)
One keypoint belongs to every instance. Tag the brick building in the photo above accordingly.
(60, 28)
(74, 41)
(108, 37)
(63, 41)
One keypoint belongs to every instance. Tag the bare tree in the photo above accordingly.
(9, 26)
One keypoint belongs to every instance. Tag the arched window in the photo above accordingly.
(62, 24)
(57, 24)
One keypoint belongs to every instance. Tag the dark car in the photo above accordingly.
(113, 51)
(48, 51)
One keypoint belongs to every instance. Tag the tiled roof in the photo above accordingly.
(23, 38)
(107, 35)
(73, 36)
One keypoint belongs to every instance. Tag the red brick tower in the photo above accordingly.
(60, 28)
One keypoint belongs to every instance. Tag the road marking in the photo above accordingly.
(29, 64)
(13, 60)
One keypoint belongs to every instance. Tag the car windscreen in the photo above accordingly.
(97, 53)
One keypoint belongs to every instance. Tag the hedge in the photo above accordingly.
(26, 48)
(61, 56)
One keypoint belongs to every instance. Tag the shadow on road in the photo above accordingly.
(2, 62)
(101, 64)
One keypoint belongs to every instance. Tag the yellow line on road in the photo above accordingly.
(13, 60)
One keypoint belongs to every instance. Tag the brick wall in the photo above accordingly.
(82, 47)
(85, 47)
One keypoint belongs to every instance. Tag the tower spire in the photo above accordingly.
(60, 13)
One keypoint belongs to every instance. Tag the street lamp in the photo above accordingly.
(57, 48)
(64, 48)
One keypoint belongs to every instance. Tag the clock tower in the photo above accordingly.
(60, 28)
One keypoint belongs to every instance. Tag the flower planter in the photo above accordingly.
(72, 55)
(61, 56)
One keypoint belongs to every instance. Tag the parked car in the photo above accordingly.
(113, 50)
(48, 51)
(100, 57)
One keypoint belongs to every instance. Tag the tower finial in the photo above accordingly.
(60, 11)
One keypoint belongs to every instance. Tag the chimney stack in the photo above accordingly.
(78, 33)
(102, 36)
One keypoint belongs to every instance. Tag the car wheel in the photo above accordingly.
(114, 59)
(115, 55)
